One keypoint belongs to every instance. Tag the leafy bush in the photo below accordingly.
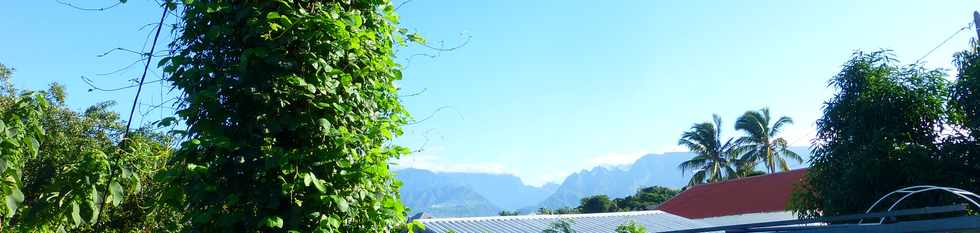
(631, 227)
(71, 171)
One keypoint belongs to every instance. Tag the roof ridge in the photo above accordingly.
(544, 216)
(749, 178)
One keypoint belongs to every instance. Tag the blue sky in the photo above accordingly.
(546, 88)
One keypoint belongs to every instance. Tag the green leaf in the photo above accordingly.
(188, 2)
(123, 1)
(272, 15)
(35, 145)
(325, 124)
(354, 20)
(116, 192)
(415, 37)
(340, 202)
(76, 213)
(272, 222)
(275, 27)
(298, 81)
(319, 185)
(163, 61)
(308, 178)
(13, 201)
(126, 173)
(94, 202)
(333, 222)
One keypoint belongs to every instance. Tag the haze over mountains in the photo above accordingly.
(466, 194)
(457, 194)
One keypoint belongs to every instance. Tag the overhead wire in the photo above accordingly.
(957, 32)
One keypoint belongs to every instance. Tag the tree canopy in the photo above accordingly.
(882, 130)
(75, 171)
(596, 204)
(645, 198)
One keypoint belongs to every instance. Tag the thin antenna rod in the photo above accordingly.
(976, 22)
(149, 57)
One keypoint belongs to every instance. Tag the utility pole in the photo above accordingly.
(976, 23)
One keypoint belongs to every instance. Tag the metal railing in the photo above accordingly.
(823, 224)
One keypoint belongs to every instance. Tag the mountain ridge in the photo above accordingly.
(649, 170)
(463, 194)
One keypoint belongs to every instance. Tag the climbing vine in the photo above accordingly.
(290, 107)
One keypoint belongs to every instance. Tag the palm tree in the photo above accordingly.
(762, 143)
(715, 160)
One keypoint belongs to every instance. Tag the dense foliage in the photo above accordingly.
(71, 171)
(961, 150)
(883, 130)
(290, 106)
(596, 204)
(645, 198)
(560, 226)
(562, 210)
(508, 213)
(20, 141)
(631, 227)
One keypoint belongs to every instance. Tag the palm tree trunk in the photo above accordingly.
(770, 159)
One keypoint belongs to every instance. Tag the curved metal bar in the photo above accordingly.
(912, 190)
(889, 194)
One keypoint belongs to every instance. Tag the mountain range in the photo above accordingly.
(459, 194)
(615, 182)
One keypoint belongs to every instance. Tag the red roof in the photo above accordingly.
(757, 194)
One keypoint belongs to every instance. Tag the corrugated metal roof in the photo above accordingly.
(654, 221)
(756, 194)
(749, 218)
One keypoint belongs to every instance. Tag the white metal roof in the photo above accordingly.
(653, 220)
(749, 218)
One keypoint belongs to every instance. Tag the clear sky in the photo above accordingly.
(546, 88)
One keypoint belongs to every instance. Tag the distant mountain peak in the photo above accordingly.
(648, 170)
(478, 193)
(456, 194)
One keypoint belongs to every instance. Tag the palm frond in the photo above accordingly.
(692, 146)
(717, 120)
(782, 163)
(778, 126)
(791, 155)
(731, 172)
(697, 178)
(696, 163)
(753, 123)
(746, 140)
